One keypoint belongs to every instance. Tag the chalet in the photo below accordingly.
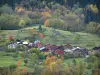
(77, 52)
(53, 47)
(97, 49)
(94, 50)
(80, 51)
(12, 46)
(68, 50)
(48, 46)
(25, 43)
(30, 45)
(44, 49)
(59, 52)
(68, 46)
(61, 47)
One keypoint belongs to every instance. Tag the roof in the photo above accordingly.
(48, 45)
(59, 52)
(42, 48)
(61, 47)
(25, 42)
(68, 46)
(68, 50)
(53, 47)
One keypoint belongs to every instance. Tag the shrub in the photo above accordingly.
(91, 27)
(27, 20)
(91, 59)
(25, 61)
(12, 67)
(14, 56)
(35, 50)
(68, 55)
(97, 54)
(21, 48)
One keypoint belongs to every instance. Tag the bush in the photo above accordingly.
(92, 59)
(21, 48)
(91, 27)
(97, 54)
(25, 61)
(12, 67)
(14, 55)
(27, 20)
(35, 50)
(68, 55)
(90, 66)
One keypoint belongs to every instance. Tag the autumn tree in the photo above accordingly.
(33, 32)
(11, 38)
(91, 27)
(45, 15)
(93, 8)
(46, 23)
(52, 66)
(19, 63)
(41, 35)
(22, 23)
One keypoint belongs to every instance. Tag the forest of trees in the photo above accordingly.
(31, 4)
(70, 2)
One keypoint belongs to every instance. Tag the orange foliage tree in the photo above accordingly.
(41, 35)
(19, 63)
(10, 38)
(33, 32)
(45, 15)
(24, 70)
(52, 67)
(46, 23)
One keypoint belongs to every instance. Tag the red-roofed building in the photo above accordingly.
(58, 52)
(53, 47)
(38, 45)
(48, 46)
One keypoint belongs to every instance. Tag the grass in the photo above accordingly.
(70, 60)
(6, 60)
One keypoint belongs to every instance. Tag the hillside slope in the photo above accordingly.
(59, 37)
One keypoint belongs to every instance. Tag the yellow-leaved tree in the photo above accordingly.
(93, 8)
(52, 66)
(22, 23)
